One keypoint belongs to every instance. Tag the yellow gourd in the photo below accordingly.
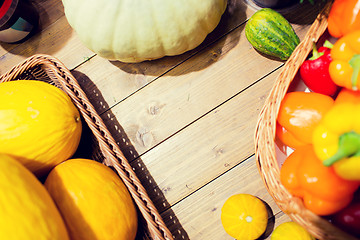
(138, 30)
(290, 230)
(39, 124)
(27, 211)
(93, 201)
(244, 217)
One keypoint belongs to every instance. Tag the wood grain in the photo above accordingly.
(185, 123)
(225, 135)
(49, 11)
(58, 40)
(205, 205)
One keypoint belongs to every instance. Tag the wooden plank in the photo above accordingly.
(192, 126)
(205, 149)
(204, 81)
(114, 75)
(49, 12)
(118, 80)
(187, 92)
(198, 216)
(58, 40)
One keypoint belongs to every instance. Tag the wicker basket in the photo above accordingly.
(103, 146)
(265, 149)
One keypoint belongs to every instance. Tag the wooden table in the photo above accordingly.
(185, 123)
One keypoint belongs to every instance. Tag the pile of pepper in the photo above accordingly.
(323, 126)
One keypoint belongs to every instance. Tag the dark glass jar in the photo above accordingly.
(18, 20)
(276, 4)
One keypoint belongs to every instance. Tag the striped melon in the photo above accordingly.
(270, 33)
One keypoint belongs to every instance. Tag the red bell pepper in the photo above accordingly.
(315, 71)
(348, 219)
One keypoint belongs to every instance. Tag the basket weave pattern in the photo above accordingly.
(265, 140)
(49, 69)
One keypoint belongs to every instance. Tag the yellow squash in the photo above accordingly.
(93, 201)
(244, 216)
(39, 124)
(290, 230)
(27, 211)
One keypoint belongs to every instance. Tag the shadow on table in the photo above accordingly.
(271, 222)
(34, 42)
(219, 42)
(118, 133)
(304, 13)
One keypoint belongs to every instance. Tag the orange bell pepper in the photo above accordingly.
(298, 115)
(323, 192)
(347, 96)
(345, 66)
(336, 139)
(287, 137)
(344, 17)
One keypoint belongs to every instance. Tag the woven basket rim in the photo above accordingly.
(113, 156)
(265, 139)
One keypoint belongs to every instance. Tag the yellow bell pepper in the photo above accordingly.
(344, 68)
(336, 139)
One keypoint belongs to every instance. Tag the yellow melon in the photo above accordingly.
(27, 211)
(93, 201)
(39, 124)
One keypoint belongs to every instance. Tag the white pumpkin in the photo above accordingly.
(138, 30)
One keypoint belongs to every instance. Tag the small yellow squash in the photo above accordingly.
(138, 30)
(93, 201)
(39, 124)
(27, 211)
(244, 216)
(290, 230)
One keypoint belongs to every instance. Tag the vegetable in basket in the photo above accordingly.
(298, 115)
(315, 70)
(336, 139)
(348, 219)
(27, 210)
(344, 17)
(323, 192)
(345, 66)
(40, 125)
(93, 201)
(287, 137)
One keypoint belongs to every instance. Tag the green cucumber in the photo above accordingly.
(270, 33)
